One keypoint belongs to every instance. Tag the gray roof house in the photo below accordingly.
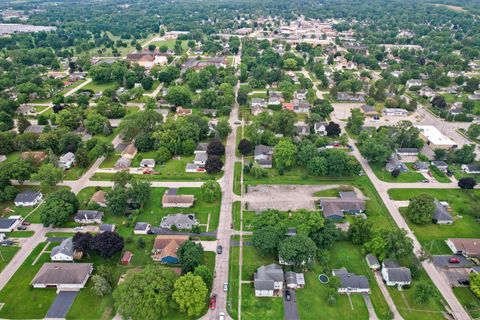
(440, 165)
(179, 220)
(263, 156)
(268, 280)
(421, 166)
(320, 128)
(88, 216)
(372, 262)
(351, 283)
(106, 227)
(336, 208)
(471, 168)
(395, 163)
(147, 163)
(63, 276)
(302, 129)
(64, 251)
(200, 158)
(441, 214)
(9, 224)
(122, 163)
(294, 280)
(28, 198)
(201, 147)
(395, 275)
(406, 151)
(141, 228)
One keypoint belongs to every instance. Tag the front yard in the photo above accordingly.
(405, 177)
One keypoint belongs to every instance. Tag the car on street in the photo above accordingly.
(425, 181)
(225, 286)
(78, 228)
(22, 228)
(219, 249)
(454, 260)
(221, 316)
(6, 243)
(213, 302)
(237, 122)
(288, 296)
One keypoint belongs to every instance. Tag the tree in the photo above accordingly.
(95, 122)
(117, 200)
(355, 121)
(203, 272)
(58, 207)
(439, 102)
(215, 148)
(162, 155)
(360, 231)
(179, 95)
(211, 191)
(390, 243)
(283, 122)
(299, 250)
(223, 128)
(266, 239)
(147, 83)
(122, 178)
(423, 292)
(22, 123)
(107, 244)
(421, 208)
(81, 242)
(190, 293)
(48, 175)
(213, 164)
(190, 255)
(333, 129)
(101, 286)
(395, 173)
(138, 193)
(20, 170)
(475, 283)
(146, 295)
(467, 183)
(325, 237)
(285, 153)
(245, 147)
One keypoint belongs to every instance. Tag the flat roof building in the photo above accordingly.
(435, 139)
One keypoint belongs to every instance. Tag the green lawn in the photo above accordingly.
(100, 87)
(6, 255)
(40, 108)
(260, 308)
(468, 300)
(233, 269)
(252, 260)
(170, 43)
(439, 175)
(110, 161)
(384, 175)
(21, 234)
(74, 173)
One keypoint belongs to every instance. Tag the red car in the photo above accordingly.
(213, 302)
(454, 260)
(25, 223)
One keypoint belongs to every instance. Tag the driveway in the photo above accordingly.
(290, 307)
(443, 261)
(371, 311)
(61, 305)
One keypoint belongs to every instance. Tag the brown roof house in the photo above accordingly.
(165, 248)
(63, 276)
(173, 200)
(99, 198)
(469, 248)
(129, 152)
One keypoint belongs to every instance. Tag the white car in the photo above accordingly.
(221, 316)
(225, 286)
(78, 228)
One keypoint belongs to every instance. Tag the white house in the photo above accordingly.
(426, 92)
(395, 112)
(28, 198)
(147, 163)
(395, 275)
(66, 161)
(413, 83)
(320, 128)
(9, 224)
(141, 228)
(471, 168)
(64, 251)
(268, 280)
(200, 159)
(63, 276)
(88, 216)
(351, 283)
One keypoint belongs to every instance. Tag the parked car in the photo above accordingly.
(150, 232)
(213, 302)
(288, 296)
(238, 122)
(6, 243)
(22, 228)
(219, 249)
(464, 282)
(454, 260)
(225, 286)
(25, 223)
(78, 228)
(221, 316)
(449, 173)
(425, 181)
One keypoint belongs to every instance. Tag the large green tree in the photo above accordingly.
(285, 153)
(421, 208)
(190, 293)
(298, 250)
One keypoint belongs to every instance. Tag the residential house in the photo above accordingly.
(106, 227)
(421, 166)
(275, 98)
(468, 247)
(395, 275)
(395, 112)
(88, 217)
(350, 282)
(179, 221)
(99, 198)
(413, 83)
(441, 214)
(347, 203)
(372, 262)
(395, 164)
(181, 112)
(193, 167)
(368, 110)
(258, 102)
(406, 151)
(354, 97)
(320, 128)
(129, 152)
(268, 280)
(64, 251)
(294, 280)
(163, 112)
(440, 165)
(141, 228)
(67, 160)
(288, 106)
(426, 92)
(474, 97)
(165, 248)
(9, 224)
(263, 156)
(63, 276)
(147, 163)
(171, 199)
(200, 159)
(301, 94)
(456, 108)
(302, 129)
(301, 106)
(471, 168)
(201, 147)
(28, 198)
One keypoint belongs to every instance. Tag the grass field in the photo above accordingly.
(468, 300)
(7, 254)
(260, 308)
(384, 175)
(100, 87)
(170, 43)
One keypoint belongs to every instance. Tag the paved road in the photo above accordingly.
(69, 93)
(371, 311)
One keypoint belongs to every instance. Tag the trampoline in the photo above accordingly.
(323, 278)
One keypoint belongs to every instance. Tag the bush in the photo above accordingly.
(467, 183)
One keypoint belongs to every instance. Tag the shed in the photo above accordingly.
(127, 256)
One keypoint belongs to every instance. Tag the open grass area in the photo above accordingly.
(260, 308)
(170, 43)
(100, 87)
(252, 260)
(233, 270)
(384, 175)
(6, 255)
(468, 300)
(439, 175)
(74, 173)
(21, 234)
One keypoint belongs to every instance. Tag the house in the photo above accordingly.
(302, 129)
(181, 112)
(129, 152)
(288, 106)
(179, 221)
(435, 139)
(9, 224)
(471, 168)
(395, 164)
(66, 161)
(147, 163)
(301, 106)
(395, 112)
(258, 102)
(268, 280)
(421, 166)
(372, 262)
(468, 247)
(301, 94)
(192, 168)
(200, 159)
(275, 98)
(426, 92)
(336, 208)
(165, 248)
(64, 251)
(368, 110)
(351, 283)
(88, 216)
(263, 156)
(63, 276)
(441, 214)
(105, 227)
(141, 228)
(413, 83)
(163, 112)
(171, 199)
(344, 96)
(440, 165)
(294, 280)
(201, 147)
(99, 198)
(28, 198)
(395, 275)
(122, 164)
(320, 128)
(406, 151)
(126, 258)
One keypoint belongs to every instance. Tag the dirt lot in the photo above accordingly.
(286, 197)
